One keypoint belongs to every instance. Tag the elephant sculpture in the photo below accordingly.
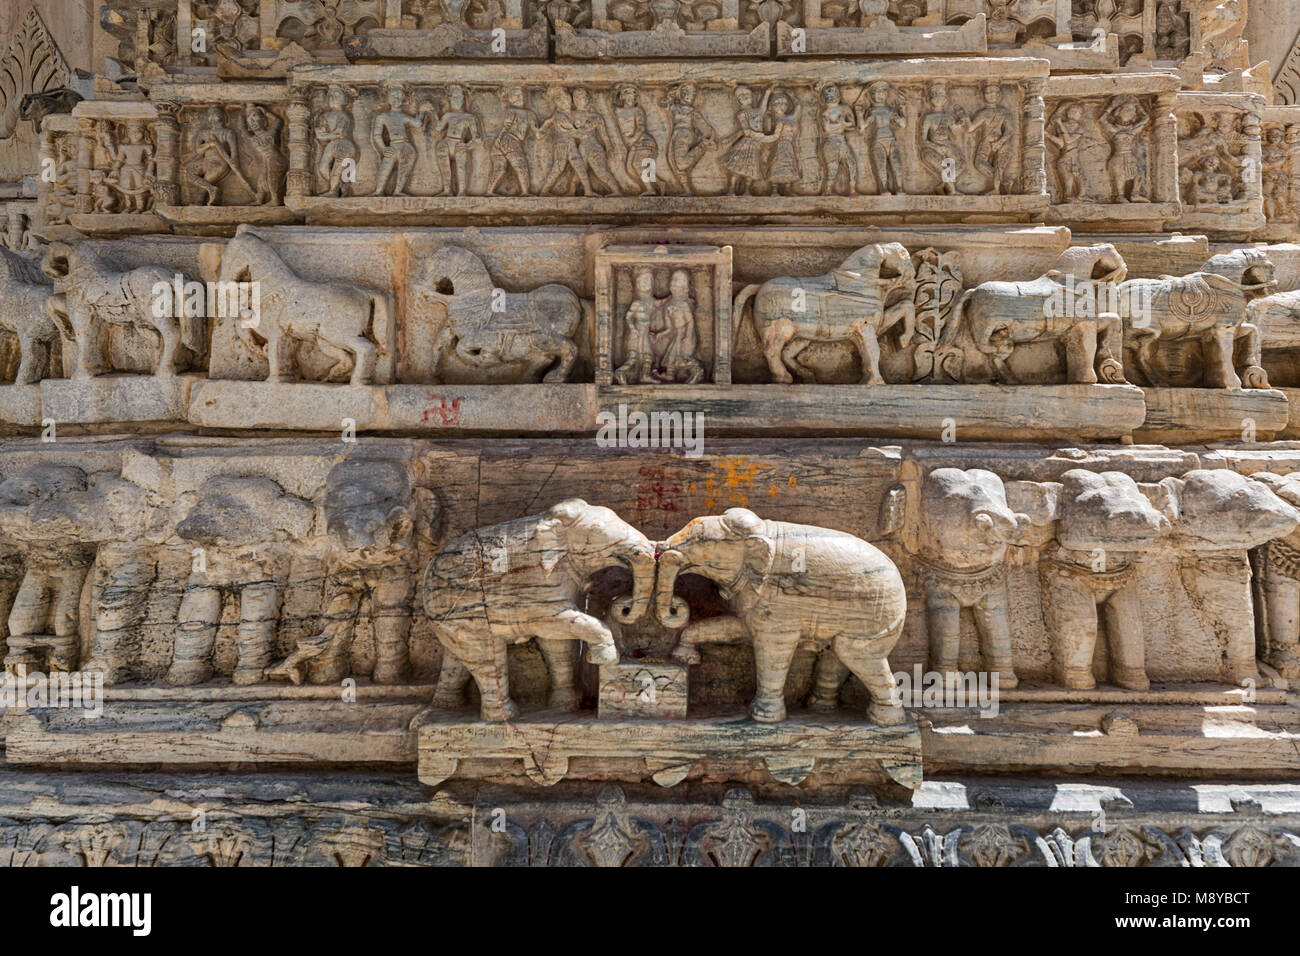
(88, 294)
(1212, 306)
(525, 579)
(490, 327)
(791, 584)
(870, 293)
(966, 526)
(346, 321)
(1101, 522)
(23, 294)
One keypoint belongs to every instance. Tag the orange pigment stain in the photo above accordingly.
(730, 484)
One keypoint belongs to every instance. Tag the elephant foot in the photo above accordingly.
(1286, 662)
(686, 654)
(327, 670)
(1078, 679)
(767, 712)
(885, 715)
(507, 711)
(248, 675)
(602, 654)
(871, 380)
(823, 703)
(1007, 679)
(389, 672)
(189, 673)
(447, 700)
(1131, 678)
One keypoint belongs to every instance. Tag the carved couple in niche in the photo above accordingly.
(660, 338)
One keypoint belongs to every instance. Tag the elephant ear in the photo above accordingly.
(759, 554)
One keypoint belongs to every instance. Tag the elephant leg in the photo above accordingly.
(576, 626)
(8, 590)
(773, 652)
(1252, 368)
(390, 608)
(453, 677)
(567, 353)
(559, 662)
(776, 334)
(831, 673)
(1081, 354)
(487, 658)
(88, 359)
(867, 658)
(28, 617)
(66, 618)
(944, 617)
(1219, 372)
(343, 594)
(279, 356)
(1282, 610)
(722, 629)
(1124, 637)
(864, 336)
(1070, 612)
(259, 617)
(196, 632)
(171, 339)
(993, 620)
(366, 355)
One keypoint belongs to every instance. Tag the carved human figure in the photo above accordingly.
(244, 530)
(214, 156)
(336, 151)
(790, 585)
(638, 144)
(966, 526)
(390, 134)
(836, 122)
(638, 359)
(1124, 122)
(744, 159)
(509, 149)
(1172, 38)
(992, 124)
(579, 143)
(591, 139)
(691, 135)
(1275, 176)
(942, 133)
(1277, 577)
(61, 197)
(263, 132)
(373, 517)
(1066, 134)
(676, 343)
(522, 580)
(132, 172)
(878, 121)
(461, 137)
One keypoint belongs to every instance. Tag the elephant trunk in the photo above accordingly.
(643, 582)
(670, 564)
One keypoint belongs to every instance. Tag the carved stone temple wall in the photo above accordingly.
(650, 432)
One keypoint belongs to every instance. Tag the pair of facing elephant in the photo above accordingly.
(1098, 537)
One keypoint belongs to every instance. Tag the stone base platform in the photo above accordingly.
(117, 399)
(790, 751)
(1177, 415)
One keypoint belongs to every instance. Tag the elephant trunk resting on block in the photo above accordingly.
(791, 584)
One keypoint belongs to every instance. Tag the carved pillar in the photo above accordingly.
(185, 33)
(1033, 167)
(299, 179)
(1164, 155)
(85, 162)
(604, 324)
(393, 14)
(1253, 155)
(167, 190)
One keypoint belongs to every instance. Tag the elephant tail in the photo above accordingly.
(383, 326)
(738, 314)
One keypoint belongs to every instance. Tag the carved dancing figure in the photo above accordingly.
(461, 135)
(691, 135)
(1066, 134)
(214, 156)
(836, 121)
(336, 151)
(995, 152)
(640, 145)
(509, 149)
(1124, 123)
(390, 136)
(264, 139)
(878, 121)
(942, 131)
(743, 160)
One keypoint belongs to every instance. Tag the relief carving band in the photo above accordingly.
(427, 138)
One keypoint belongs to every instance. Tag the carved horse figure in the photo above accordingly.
(491, 327)
(89, 294)
(335, 316)
(1211, 305)
(23, 292)
(870, 293)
